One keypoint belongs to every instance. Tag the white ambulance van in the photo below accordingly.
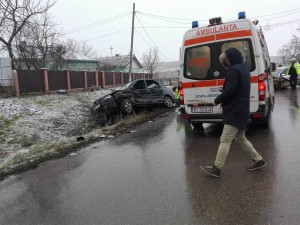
(202, 75)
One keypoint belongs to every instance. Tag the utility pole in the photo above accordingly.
(131, 46)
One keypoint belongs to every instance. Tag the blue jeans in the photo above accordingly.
(229, 133)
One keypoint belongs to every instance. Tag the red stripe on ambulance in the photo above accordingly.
(211, 83)
(227, 35)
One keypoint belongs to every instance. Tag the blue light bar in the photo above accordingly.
(195, 24)
(242, 15)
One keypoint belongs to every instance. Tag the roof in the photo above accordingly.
(119, 60)
(78, 57)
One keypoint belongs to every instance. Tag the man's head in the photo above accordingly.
(224, 60)
(231, 57)
(293, 60)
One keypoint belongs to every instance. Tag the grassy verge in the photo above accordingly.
(50, 150)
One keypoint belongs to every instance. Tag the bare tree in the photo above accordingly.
(284, 55)
(71, 50)
(290, 50)
(15, 14)
(295, 47)
(41, 36)
(87, 50)
(151, 60)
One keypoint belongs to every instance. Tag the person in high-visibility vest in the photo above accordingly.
(177, 95)
(294, 72)
(297, 67)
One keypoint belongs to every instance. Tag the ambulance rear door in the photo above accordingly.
(202, 76)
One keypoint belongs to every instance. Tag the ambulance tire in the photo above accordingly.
(264, 123)
(198, 126)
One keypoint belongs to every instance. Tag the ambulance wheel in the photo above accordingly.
(264, 123)
(198, 126)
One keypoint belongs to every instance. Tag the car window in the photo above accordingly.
(284, 72)
(202, 62)
(277, 72)
(139, 85)
(151, 84)
(243, 46)
(197, 62)
(126, 86)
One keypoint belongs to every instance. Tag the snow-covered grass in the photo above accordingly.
(34, 129)
(38, 123)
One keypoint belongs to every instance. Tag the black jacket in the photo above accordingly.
(235, 97)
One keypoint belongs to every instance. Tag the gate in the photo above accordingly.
(5, 72)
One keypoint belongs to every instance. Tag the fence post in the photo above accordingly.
(103, 79)
(16, 82)
(68, 79)
(45, 77)
(97, 78)
(84, 79)
(114, 79)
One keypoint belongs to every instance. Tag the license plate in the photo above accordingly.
(202, 109)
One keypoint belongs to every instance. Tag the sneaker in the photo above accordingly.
(257, 165)
(211, 170)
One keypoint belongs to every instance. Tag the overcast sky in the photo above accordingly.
(162, 23)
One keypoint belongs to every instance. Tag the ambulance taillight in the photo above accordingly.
(181, 99)
(262, 87)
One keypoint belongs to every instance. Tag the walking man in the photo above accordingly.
(235, 101)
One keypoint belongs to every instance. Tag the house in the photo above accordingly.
(120, 63)
(80, 62)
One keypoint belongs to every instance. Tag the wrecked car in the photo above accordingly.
(134, 95)
(281, 79)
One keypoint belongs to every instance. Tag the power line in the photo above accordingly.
(268, 27)
(280, 16)
(97, 23)
(151, 39)
(109, 34)
(168, 19)
(175, 20)
(277, 13)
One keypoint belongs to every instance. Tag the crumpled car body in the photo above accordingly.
(136, 94)
(282, 79)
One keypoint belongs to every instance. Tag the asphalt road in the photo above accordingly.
(152, 176)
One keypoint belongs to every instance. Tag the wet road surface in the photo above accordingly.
(153, 176)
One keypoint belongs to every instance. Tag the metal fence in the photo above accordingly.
(43, 81)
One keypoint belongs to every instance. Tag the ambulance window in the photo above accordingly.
(245, 48)
(197, 62)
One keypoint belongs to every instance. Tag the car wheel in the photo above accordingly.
(126, 106)
(117, 118)
(101, 119)
(168, 102)
(276, 85)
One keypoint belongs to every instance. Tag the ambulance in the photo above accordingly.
(202, 76)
